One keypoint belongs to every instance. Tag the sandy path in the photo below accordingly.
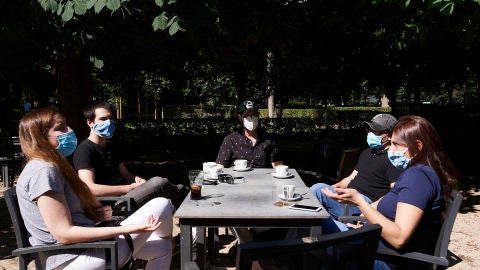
(464, 243)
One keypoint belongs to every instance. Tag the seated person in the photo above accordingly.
(249, 142)
(373, 176)
(410, 214)
(98, 167)
(261, 151)
(57, 207)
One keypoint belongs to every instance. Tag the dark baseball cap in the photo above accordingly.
(381, 122)
(246, 106)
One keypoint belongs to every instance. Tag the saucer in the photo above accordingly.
(289, 174)
(242, 170)
(296, 197)
(208, 177)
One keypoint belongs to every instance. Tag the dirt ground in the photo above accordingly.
(464, 245)
(174, 164)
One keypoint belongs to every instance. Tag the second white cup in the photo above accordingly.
(240, 164)
(214, 172)
(281, 170)
(207, 166)
(288, 191)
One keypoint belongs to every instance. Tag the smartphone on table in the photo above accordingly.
(304, 207)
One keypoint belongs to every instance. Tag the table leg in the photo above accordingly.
(5, 177)
(212, 247)
(315, 231)
(200, 248)
(185, 245)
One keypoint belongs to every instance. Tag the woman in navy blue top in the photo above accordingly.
(412, 212)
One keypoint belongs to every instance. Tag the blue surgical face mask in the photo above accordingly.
(398, 158)
(67, 142)
(373, 140)
(104, 129)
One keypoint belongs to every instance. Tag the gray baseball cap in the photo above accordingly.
(381, 122)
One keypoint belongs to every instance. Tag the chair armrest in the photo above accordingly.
(318, 175)
(113, 199)
(34, 249)
(414, 255)
(191, 266)
(350, 219)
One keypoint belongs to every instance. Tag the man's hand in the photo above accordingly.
(133, 186)
(139, 180)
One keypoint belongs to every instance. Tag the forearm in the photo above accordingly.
(346, 181)
(76, 234)
(107, 190)
(390, 230)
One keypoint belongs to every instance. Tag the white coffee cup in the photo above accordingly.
(208, 165)
(281, 170)
(213, 173)
(240, 164)
(288, 191)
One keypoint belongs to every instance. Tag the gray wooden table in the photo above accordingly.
(249, 204)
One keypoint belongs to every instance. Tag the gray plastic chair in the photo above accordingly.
(27, 253)
(354, 249)
(437, 260)
(346, 165)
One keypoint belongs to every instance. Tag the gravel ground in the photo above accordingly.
(464, 245)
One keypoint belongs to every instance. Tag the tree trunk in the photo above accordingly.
(270, 89)
(75, 90)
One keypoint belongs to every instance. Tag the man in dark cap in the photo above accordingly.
(249, 142)
(373, 175)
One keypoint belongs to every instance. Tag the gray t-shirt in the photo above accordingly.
(37, 178)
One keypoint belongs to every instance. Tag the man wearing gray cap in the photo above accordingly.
(373, 175)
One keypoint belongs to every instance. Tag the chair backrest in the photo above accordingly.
(354, 249)
(348, 160)
(453, 205)
(21, 233)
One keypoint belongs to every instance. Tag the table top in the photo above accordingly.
(250, 203)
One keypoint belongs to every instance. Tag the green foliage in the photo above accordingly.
(445, 5)
(329, 120)
(67, 9)
(322, 113)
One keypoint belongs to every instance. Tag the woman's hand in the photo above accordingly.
(344, 195)
(152, 224)
(104, 213)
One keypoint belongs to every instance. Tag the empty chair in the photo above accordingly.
(354, 249)
(346, 165)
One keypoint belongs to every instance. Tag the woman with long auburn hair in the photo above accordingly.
(412, 213)
(57, 207)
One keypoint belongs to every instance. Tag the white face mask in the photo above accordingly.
(250, 122)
